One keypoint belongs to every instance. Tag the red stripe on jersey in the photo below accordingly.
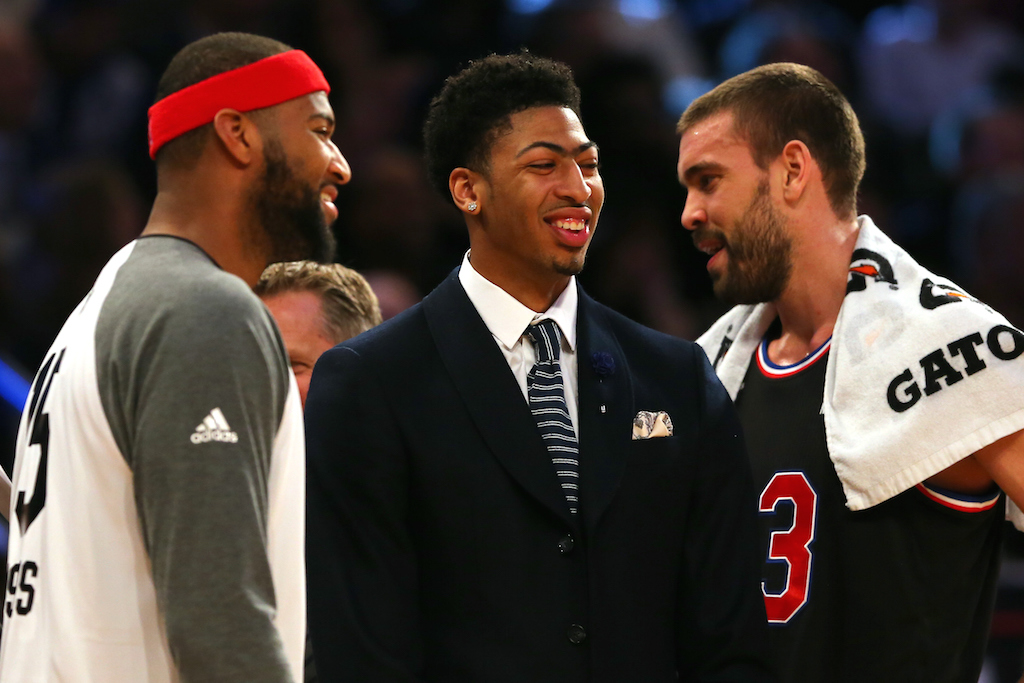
(770, 369)
(961, 502)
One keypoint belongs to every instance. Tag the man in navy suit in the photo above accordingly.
(511, 482)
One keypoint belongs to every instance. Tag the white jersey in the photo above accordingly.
(157, 517)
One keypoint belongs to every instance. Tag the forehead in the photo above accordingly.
(713, 140)
(299, 317)
(557, 125)
(296, 312)
(305, 107)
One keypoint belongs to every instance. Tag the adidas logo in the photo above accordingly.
(214, 427)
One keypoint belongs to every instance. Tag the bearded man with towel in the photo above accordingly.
(882, 404)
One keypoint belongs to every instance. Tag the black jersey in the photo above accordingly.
(899, 592)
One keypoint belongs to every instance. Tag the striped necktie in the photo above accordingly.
(547, 403)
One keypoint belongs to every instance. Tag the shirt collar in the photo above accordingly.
(506, 317)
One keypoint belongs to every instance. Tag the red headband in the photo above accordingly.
(264, 83)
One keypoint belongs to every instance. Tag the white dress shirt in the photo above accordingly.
(507, 320)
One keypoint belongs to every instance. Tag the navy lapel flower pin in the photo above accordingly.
(603, 364)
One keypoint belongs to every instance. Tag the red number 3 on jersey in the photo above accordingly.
(792, 545)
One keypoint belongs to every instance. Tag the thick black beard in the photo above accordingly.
(289, 212)
(760, 255)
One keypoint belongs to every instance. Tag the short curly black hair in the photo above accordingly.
(474, 108)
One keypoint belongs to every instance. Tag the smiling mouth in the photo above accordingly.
(710, 247)
(328, 194)
(708, 242)
(571, 224)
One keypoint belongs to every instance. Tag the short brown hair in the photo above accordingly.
(776, 103)
(348, 305)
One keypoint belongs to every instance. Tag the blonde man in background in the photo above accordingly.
(316, 306)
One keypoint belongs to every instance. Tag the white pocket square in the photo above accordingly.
(647, 425)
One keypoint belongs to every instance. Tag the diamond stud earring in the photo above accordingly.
(472, 207)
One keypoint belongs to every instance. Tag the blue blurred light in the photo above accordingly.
(681, 92)
(13, 387)
(890, 24)
(643, 10)
(529, 6)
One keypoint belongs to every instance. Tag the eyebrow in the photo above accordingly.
(558, 149)
(699, 168)
(322, 115)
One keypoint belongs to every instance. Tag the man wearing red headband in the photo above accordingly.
(157, 522)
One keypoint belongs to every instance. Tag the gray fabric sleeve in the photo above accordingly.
(202, 500)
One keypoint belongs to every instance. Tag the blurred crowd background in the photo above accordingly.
(939, 88)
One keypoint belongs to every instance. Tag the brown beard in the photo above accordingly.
(759, 254)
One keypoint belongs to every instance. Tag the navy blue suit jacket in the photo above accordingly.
(440, 546)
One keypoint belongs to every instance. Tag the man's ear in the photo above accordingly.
(796, 168)
(467, 190)
(238, 135)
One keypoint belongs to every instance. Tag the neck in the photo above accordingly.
(537, 292)
(214, 220)
(809, 306)
(539, 298)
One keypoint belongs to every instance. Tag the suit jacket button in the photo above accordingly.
(576, 634)
(565, 544)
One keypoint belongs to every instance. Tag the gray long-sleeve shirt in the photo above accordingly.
(159, 485)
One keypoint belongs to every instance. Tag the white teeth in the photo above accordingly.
(573, 224)
(325, 197)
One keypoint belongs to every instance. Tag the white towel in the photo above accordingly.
(919, 376)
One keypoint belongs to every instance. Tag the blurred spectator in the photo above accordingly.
(584, 33)
(987, 241)
(377, 91)
(203, 17)
(88, 210)
(20, 74)
(639, 278)
(982, 135)
(396, 222)
(641, 261)
(919, 58)
(809, 33)
(96, 92)
(19, 10)
(997, 243)
(395, 292)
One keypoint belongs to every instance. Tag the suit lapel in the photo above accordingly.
(490, 392)
(604, 436)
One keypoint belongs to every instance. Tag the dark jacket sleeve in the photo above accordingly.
(724, 632)
(361, 564)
